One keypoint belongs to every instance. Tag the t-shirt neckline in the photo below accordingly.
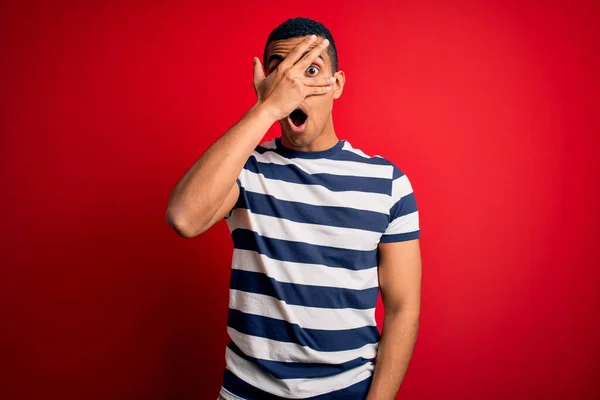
(291, 153)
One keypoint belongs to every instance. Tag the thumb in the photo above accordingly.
(258, 71)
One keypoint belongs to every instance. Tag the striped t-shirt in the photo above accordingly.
(304, 285)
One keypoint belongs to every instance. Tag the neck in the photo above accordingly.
(326, 140)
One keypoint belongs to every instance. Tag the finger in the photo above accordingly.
(318, 90)
(259, 74)
(318, 81)
(297, 52)
(312, 55)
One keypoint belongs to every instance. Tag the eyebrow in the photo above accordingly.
(280, 58)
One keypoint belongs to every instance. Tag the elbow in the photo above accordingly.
(181, 224)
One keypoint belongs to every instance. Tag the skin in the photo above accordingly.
(208, 190)
(299, 75)
(319, 133)
(400, 285)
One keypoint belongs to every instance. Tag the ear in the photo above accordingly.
(338, 86)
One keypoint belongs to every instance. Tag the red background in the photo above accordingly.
(491, 108)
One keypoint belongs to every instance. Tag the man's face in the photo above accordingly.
(318, 108)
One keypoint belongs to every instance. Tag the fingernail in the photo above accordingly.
(325, 42)
(328, 88)
(332, 79)
(313, 37)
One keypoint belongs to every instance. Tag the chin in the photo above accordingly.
(299, 139)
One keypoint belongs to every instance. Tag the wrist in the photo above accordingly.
(266, 112)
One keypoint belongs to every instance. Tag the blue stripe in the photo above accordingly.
(261, 150)
(285, 250)
(311, 214)
(304, 295)
(299, 370)
(316, 339)
(401, 237)
(336, 183)
(246, 391)
(347, 155)
(342, 155)
(397, 173)
(406, 205)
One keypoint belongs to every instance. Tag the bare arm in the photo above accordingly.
(400, 282)
(208, 190)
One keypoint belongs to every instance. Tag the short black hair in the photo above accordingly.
(299, 27)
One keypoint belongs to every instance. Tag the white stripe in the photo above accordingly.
(331, 319)
(401, 187)
(227, 395)
(320, 235)
(305, 274)
(348, 147)
(269, 145)
(314, 194)
(404, 224)
(273, 350)
(328, 166)
(294, 388)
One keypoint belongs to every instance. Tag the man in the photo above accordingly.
(318, 228)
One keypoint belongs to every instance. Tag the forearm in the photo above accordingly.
(204, 187)
(398, 339)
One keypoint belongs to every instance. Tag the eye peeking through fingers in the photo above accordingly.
(311, 71)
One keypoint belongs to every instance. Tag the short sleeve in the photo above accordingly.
(250, 163)
(404, 216)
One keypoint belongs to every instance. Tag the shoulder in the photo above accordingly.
(266, 146)
(375, 159)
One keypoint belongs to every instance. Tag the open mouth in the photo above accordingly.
(298, 120)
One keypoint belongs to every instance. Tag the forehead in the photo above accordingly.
(283, 47)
